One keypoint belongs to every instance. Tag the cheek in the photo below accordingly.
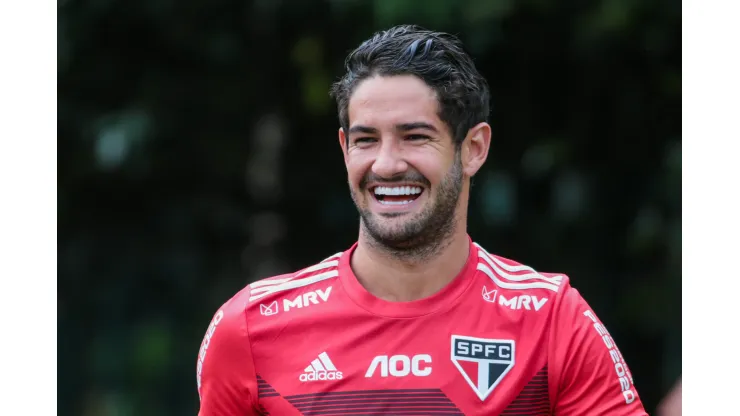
(358, 165)
(355, 172)
(431, 167)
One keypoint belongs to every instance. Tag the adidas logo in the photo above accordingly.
(321, 369)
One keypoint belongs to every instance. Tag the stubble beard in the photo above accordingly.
(423, 235)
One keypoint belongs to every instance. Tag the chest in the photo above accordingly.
(467, 361)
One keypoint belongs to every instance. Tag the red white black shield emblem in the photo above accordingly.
(482, 362)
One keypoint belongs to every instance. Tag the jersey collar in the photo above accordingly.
(438, 302)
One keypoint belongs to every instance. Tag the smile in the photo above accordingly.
(396, 195)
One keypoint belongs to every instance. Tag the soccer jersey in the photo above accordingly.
(500, 339)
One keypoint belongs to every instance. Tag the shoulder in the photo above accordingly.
(233, 311)
(518, 285)
(228, 332)
(225, 346)
(262, 295)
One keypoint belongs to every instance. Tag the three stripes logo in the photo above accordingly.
(321, 368)
(305, 277)
(516, 277)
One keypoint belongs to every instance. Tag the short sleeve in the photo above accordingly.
(593, 376)
(226, 377)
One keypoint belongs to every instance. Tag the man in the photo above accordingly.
(414, 318)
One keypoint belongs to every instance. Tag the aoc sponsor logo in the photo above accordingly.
(400, 366)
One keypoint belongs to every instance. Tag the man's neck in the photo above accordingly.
(397, 279)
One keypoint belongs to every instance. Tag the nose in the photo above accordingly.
(389, 161)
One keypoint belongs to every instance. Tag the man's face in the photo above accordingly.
(404, 172)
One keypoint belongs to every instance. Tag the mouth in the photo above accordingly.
(397, 195)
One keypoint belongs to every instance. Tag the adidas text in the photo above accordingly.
(321, 375)
(321, 368)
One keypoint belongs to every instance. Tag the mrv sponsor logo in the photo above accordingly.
(307, 299)
(321, 368)
(526, 302)
(302, 301)
(482, 362)
(269, 310)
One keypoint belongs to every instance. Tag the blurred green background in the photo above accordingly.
(198, 152)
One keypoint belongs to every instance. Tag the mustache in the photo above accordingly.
(415, 177)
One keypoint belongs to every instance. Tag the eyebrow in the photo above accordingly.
(399, 127)
(415, 126)
(362, 129)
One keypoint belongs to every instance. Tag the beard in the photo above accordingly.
(420, 235)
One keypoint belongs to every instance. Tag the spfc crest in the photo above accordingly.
(483, 362)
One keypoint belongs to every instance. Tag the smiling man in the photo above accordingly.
(414, 318)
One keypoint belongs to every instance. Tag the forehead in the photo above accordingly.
(383, 101)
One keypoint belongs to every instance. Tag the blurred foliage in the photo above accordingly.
(198, 152)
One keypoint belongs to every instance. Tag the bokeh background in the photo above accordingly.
(198, 152)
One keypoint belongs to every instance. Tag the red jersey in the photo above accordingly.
(500, 339)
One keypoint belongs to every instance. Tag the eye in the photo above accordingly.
(364, 140)
(417, 137)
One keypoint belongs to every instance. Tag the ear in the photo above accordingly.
(475, 148)
(343, 144)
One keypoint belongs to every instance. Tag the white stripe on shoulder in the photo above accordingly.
(520, 268)
(533, 274)
(271, 282)
(324, 264)
(261, 292)
(497, 266)
(334, 256)
(506, 285)
(321, 266)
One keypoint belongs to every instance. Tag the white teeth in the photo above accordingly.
(394, 202)
(397, 190)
